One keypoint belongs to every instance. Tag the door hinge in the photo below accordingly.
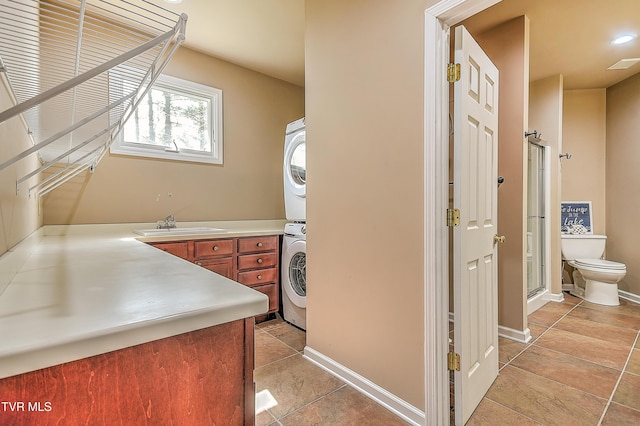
(453, 217)
(453, 361)
(453, 72)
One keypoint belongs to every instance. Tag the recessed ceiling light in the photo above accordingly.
(626, 38)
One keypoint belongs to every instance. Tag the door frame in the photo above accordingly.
(437, 21)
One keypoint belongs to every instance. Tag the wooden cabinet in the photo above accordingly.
(203, 377)
(252, 261)
(215, 255)
(179, 249)
(213, 248)
(222, 266)
(258, 244)
(258, 277)
(259, 260)
(258, 266)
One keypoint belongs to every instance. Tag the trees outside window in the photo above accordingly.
(177, 119)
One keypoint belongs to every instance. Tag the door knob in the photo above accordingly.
(498, 239)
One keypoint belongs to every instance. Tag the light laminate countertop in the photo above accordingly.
(70, 292)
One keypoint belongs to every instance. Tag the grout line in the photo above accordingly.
(285, 343)
(514, 411)
(528, 345)
(275, 327)
(622, 371)
(577, 357)
(275, 422)
(560, 383)
(615, 388)
(277, 360)
(275, 419)
(563, 316)
(312, 402)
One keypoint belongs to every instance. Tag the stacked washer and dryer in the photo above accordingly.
(294, 243)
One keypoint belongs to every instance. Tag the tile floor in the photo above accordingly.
(305, 394)
(582, 367)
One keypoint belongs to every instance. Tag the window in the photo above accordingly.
(176, 120)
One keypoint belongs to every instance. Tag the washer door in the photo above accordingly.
(294, 273)
(295, 165)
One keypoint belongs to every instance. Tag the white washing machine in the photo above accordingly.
(294, 274)
(295, 171)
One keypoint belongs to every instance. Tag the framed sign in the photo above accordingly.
(576, 217)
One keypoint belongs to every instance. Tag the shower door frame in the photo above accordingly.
(538, 300)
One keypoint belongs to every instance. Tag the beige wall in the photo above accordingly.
(364, 103)
(249, 185)
(508, 47)
(623, 179)
(546, 116)
(584, 135)
(19, 214)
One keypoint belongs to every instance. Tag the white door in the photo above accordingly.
(475, 271)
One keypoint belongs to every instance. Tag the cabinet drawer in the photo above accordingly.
(258, 276)
(270, 290)
(260, 260)
(254, 244)
(177, 249)
(209, 248)
(222, 266)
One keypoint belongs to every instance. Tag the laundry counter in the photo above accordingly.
(69, 294)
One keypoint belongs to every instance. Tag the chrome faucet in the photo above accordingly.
(169, 222)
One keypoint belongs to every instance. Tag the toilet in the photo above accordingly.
(584, 253)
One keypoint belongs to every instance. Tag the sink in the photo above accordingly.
(178, 231)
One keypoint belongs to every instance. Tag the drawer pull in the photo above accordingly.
(259, 244)
(198, 263)
(259, 277)
(260, 260)
(216, 248)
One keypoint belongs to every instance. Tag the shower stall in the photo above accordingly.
(537, 220)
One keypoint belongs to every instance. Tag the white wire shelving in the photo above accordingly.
(76, 70)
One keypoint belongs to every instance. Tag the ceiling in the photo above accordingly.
(572, 37)
(263, 35)
(569, 37)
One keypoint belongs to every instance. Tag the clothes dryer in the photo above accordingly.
(294, 274)
(295, 171)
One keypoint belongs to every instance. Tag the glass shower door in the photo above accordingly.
(536, 220)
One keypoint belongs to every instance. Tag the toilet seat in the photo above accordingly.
(599, 264)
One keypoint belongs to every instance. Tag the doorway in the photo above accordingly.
(438, 20)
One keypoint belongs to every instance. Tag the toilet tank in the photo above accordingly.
(583, 246)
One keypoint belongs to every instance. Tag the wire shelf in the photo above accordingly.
(64, 63)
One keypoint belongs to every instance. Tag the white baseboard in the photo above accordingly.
(509, 333)
(522, 336)
(556, 297)
(538, 301)
(383, 397)
(629, 296)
